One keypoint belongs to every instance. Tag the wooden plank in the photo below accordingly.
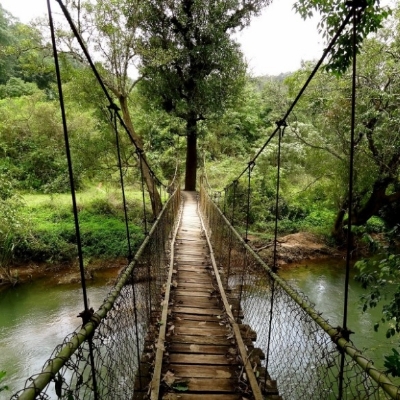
(193, 268)
(199, 359)
(200, 292)
(199, 348)
(201, 324)
(197, 311)
(211, 385)
(200, 331)
(197, 302)
(192, 339)
(195, 396)
(193, 317)
(205, 371)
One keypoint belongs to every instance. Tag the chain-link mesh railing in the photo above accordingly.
(116, 333)
(308, 357)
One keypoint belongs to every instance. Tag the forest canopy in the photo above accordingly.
(194, 101)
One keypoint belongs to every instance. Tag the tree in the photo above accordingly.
(324, 125)
(370, 18)
(190, 65)
(102, 25)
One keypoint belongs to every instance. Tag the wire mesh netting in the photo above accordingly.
(103, 359)
(309, 358)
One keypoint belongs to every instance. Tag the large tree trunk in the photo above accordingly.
(191, 154)
(155, 198)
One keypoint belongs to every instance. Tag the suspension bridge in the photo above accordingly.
(196, 314)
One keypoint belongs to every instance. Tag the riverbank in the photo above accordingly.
(60, 274)
(295, 248)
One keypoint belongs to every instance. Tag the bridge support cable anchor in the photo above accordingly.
(87, 313)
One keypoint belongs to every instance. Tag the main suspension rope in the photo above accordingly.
(87, 313)
(101, 82)
(300, 93)
(349, 247)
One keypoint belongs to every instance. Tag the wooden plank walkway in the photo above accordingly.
(200, 349)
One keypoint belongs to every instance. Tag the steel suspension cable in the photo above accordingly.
(299, 95)
(235, 184)
(139, 153)
(122, 183)
(345, 331)
(281, 128)
(87, 313)
(130, 255)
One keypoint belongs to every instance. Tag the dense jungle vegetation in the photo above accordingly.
(191, 99)
(227, 118)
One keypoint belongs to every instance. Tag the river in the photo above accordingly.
(36, 317)
(323, 282)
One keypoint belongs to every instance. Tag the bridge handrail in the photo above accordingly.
(366, 364)
(55, 364)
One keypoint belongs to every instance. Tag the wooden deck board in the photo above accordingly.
(192, 348)
(201, 348)
(194, 396)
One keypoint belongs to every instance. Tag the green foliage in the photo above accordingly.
(333, 12)
(33, 147)
(380, 275)
(2, 387)
(16, 87)
(51, 235)
(392, 363)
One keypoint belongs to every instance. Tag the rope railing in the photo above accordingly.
(303, 352)
(117, 331)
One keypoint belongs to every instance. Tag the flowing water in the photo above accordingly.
(35, 318)
(323, 282)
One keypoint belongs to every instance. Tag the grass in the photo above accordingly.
(49, 233)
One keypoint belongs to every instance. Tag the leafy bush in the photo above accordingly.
(318, 221)
(3, 387)
(375, 225)
(51, 234)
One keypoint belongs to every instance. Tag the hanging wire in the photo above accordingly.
(345, 331)
(250, 169)
(299, 95)
(225, 198)
(100, 80)
(281, 126)
(121, 177)
(235, 184)
(139, 153)
(86, 314)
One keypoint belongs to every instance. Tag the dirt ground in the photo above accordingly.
(294, 248)
(59, 274)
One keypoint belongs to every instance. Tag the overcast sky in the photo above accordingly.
(275, 42)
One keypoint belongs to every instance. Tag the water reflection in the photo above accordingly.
(34, 319)
(323, 282)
